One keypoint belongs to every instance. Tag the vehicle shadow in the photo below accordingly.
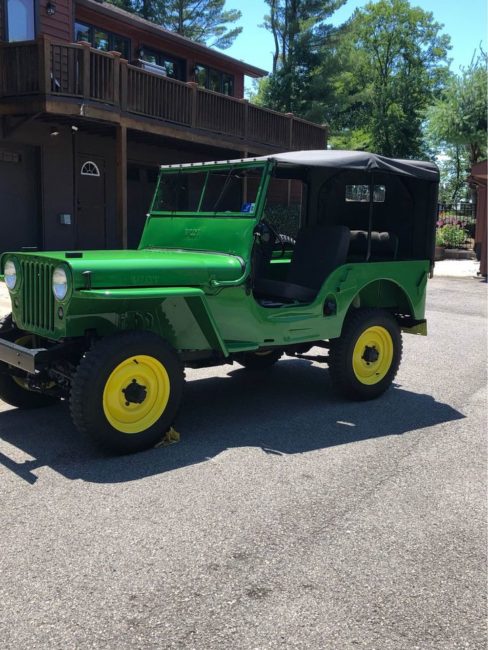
(289, 409)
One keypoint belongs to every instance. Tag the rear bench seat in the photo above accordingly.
(384, 246)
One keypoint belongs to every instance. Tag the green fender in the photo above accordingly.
(382, 284)
(180, 314)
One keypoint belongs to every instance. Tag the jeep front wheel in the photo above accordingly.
(364, 361)
(126, 391)
(14, 389)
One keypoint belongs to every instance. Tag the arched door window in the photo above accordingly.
(89, 168)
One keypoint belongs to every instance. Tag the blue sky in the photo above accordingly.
(465, 22)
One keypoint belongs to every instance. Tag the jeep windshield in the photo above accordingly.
(228, 191)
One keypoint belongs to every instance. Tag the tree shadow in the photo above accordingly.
(289, 409)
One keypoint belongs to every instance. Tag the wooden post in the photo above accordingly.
(246, 120)
(121, 183)
(194, 105)
(116, 77)
(123, 80)
(86, 70)
(45, 83)
(326, 134)
(290, 136)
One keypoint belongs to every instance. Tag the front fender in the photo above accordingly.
(179, 314)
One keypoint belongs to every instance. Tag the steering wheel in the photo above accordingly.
(266, 226)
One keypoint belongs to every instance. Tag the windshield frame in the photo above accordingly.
(209, 167)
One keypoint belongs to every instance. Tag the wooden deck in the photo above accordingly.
(70, 79)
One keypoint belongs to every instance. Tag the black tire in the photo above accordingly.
(99, 402)
(258, 360)
(369, 372)
(13, 391)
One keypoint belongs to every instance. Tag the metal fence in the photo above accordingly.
(462, 215)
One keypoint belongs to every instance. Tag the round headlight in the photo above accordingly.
(10, 274)
(60, 283)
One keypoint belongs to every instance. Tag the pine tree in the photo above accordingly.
(203, 21)
(300, 35)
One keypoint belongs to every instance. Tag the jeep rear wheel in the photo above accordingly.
(365, 359)
(126, 391)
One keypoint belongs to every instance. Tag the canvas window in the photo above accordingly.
(360, 193)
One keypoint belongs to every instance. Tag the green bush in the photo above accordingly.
(451, 236)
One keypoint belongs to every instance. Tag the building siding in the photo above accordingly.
(59, 26)
(52, 183)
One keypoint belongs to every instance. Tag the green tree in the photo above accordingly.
(458, 117)
(203, 21)
(299, 34)
(394, 59)
(453, 165)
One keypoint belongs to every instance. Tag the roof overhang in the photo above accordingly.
(135, 21)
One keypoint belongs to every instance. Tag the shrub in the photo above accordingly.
(451, 236)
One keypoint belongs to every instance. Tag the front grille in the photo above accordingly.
(37, 295)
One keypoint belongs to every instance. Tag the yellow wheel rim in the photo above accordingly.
(372, 355)
(136, 394)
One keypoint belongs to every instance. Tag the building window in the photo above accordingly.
(101, 39)
(89, 168)
(164, 64)
(20, 20)
(220, 82)
(228, 84)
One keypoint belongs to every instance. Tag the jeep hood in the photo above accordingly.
(142, 268)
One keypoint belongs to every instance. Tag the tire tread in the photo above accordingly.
(91, 364)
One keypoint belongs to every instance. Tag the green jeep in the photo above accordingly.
(222, 275)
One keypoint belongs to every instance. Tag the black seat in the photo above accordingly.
(384, 246)
(318, 251)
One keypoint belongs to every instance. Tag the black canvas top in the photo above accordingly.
(357, 160)
(336, 159)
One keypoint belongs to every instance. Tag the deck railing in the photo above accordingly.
(71, 70)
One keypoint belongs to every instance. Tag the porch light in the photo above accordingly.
(50, 8)
(54, 131)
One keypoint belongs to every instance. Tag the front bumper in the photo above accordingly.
(20, 357)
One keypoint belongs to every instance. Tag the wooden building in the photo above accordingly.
(478, 179)
(92, 100)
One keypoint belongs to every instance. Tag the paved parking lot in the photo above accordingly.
(284, 518)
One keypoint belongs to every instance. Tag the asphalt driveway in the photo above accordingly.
(284, 518)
